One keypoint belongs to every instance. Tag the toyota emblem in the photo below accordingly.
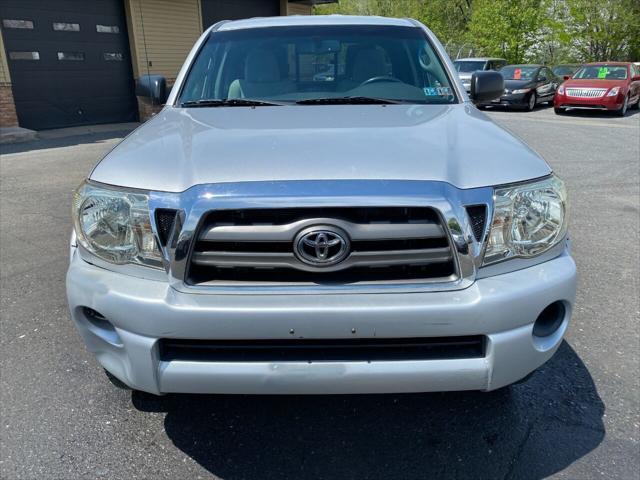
(322, 246)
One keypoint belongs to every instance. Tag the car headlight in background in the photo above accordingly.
(528, 219)
(114, 224)
(521, 90)
(561, 89)
(613, 92)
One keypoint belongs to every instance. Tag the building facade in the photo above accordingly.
(74, 62)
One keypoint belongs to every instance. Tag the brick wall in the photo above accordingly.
(8, 117)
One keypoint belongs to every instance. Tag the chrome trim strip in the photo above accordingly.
(444, 198)
(289, 260)
(587, 92)
(286, 233)
(584, 107)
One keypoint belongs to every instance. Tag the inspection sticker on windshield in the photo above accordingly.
(603, 72)
(437, 91)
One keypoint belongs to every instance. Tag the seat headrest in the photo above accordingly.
(368, 62)
(261, 66)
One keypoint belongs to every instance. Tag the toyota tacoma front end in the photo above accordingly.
(274, 231)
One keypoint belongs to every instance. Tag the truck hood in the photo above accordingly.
(183, 147)
(594, 83)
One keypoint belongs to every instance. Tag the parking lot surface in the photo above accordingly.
(577, 417)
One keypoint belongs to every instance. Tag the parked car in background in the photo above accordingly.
(526, 86)
(565, 70)
(466, 67)
(613, 86)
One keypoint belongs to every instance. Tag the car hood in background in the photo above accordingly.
(594, 83)
(183, 147)
(518, 84)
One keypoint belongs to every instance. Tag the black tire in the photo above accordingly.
(116, 382)
(559, 111)
(532, 102)
(625, 106)
(637, 104)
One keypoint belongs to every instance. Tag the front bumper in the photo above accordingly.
(510, 100)
(597, 103)
(502, 307)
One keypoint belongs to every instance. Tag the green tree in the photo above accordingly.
(549, 31)
(605, 29)
(446, 18)
(553, 40)
(506, 28)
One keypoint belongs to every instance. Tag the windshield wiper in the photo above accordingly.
(348, 100)
(231, 102)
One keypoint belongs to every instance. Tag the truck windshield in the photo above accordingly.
(317, 65)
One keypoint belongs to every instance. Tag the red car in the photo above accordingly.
(611, 86)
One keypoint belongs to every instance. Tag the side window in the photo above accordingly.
(489, 66)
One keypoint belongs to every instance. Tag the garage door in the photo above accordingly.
(69, 62)
(215, 10)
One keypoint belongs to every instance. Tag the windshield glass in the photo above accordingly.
(515, 72)
(468, 66)
(292, 64)
(562, 70)
(602, 72)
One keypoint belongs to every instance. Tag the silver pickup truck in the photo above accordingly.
(272, 230)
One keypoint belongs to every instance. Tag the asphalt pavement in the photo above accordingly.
(577, 417)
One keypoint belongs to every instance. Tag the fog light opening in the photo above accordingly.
(100, 326)
(549, 320)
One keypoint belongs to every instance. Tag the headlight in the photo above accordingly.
(613, 92)
(528, 219)
(561, 89)
(521, 90)
(114, 224)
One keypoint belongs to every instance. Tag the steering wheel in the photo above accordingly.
(381, 78)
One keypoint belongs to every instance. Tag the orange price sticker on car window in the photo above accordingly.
(517, 74)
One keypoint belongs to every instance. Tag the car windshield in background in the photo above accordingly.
(465, 66)
(602, 72)
(518, 72)
(316, 65)
(564, 70)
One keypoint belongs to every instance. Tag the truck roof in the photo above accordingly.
(300, 20)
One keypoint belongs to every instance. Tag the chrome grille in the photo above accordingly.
(258, 246)
(586, 92)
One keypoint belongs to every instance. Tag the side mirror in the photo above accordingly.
(566, 77)
(152, 88)
(486, 86)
